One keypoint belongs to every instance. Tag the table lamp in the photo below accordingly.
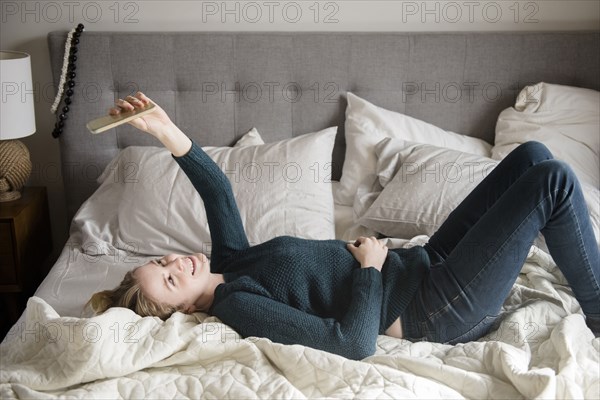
(17, 120)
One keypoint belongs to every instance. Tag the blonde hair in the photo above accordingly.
(129, 295)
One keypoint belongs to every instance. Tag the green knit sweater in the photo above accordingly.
(298, 291)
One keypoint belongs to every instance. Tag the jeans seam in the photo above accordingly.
(460, 337)
(492, 259)
(582, 247)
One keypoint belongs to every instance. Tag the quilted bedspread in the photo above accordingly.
(541, 349)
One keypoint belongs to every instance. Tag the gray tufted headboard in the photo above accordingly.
(218, 85)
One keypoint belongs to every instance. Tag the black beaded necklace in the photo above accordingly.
(67, 81)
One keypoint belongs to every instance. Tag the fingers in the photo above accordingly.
(350, 247)
(142, 97)
(122, 106)
(369, 252)
(361, 239)
(130, 103)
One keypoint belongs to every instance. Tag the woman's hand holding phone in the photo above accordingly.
(154, 123)
(139, 111)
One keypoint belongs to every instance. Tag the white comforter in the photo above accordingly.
(542, 349)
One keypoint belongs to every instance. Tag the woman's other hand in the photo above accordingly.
(155, 123)
(369, 252)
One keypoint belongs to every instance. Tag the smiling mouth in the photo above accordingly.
(193, 265)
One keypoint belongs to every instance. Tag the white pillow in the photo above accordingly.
(430, 182)
(366, 125)
(251, 138)
(147, 205)
(566, 119)
(552, 97)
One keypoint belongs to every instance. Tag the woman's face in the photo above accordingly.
(175, 279)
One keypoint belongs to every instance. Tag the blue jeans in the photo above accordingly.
(478, 252)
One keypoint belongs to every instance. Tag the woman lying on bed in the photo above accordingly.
(338, 297)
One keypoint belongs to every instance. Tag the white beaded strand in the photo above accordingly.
(67, 79)
(63, 75)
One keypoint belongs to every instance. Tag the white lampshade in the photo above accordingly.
(17, 116)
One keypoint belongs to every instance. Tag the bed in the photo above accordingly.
(248, 88)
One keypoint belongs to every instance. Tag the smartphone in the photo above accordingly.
(110, 121)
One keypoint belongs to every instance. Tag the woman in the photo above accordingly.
(338, 297)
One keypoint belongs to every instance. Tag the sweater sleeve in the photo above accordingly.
(226, 228)
(353, 337)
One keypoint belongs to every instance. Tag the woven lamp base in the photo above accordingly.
(15, 168)
(10, 196)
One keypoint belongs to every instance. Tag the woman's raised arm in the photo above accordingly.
(224, 221)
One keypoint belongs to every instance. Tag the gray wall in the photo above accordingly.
(25, 24)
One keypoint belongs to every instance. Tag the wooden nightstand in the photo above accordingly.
(25, 243)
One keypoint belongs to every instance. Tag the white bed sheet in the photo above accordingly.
(77, 275)
(542, 348)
